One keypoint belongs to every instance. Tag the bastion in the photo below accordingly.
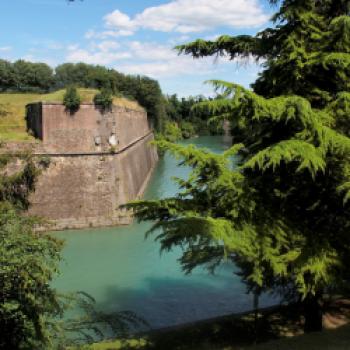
(97, 160)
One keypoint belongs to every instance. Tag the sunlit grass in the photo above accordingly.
(132, 344)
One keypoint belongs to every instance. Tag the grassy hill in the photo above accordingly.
(12, 110)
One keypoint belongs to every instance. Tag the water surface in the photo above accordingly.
(123, 271)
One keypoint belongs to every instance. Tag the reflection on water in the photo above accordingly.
(123, 271)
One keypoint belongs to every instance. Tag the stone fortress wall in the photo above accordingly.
(98, 161)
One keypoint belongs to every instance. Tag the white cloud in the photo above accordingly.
(161, 69)
(177, 16)
(97, 57)
(120, 20)
(53, 45)
(150, 51)
(159, 61)
(92, 34)
(106, 46)
(190, 16)
(5, 49)
(108, 52)
(144, 58)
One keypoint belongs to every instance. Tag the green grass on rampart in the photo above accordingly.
(12, 110)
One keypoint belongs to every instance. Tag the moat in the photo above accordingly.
(124, 271)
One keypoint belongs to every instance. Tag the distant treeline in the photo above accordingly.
(186, 122)
(24, 76)
(170, 115)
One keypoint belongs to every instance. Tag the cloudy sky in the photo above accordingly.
(135, 36)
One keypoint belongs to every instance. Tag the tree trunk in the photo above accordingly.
(312, 314)
(256, 315)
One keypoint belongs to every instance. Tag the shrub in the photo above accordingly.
(28, 303)
(172, 132)
(187, 129)
(104, 99)
(71, 99)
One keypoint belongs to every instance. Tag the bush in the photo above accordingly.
(104, 99)
(29, 262)
(71, 99)
(187, 130)
(172, 132)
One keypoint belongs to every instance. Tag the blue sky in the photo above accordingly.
(135, 37)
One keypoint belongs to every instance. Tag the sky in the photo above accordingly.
(133, 37)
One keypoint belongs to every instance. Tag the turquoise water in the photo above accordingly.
(123, 271)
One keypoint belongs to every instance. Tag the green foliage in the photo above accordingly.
(142, 89)
(86, 75)
(279, 209)
(31, 310)
(71, 99)
(15, 187)
(104, 99)
(22, 76)
(187, 129)
(191, 120)
(172, 132)
(148, 93)
(25, 76)
(28, 264)
(93, 325)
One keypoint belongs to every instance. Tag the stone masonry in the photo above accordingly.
(98, 161)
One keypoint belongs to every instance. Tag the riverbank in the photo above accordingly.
(278, 328)
(122, 271)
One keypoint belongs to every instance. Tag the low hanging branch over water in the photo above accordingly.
(281, 210)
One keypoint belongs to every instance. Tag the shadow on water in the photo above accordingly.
(123, 271)
(165, 302)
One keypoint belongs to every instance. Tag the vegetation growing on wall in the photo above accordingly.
(12, 121)
(104, 99)
(71, 99)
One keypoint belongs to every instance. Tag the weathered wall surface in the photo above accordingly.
(79, 191)
(87, 130)
(132, 126)
(89, 176)
(134, 169)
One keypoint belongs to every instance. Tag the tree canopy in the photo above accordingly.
(280, 207)
(191, 122)
(28, 263)
(24, 76)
